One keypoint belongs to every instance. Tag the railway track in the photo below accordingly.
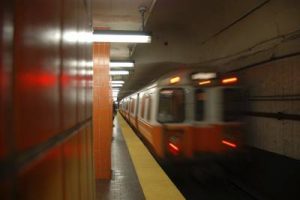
(208, 183)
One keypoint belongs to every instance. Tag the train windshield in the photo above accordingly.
(233, 102)
(171, 105)
(199, 111)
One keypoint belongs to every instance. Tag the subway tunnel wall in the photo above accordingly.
(46, 100)
(267, 63)
(273, 108)
(262, 48)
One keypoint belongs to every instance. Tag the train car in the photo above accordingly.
(184, 118)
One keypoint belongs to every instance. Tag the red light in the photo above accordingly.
(39, 79)
(173, 148)
(229, 143)
(229, 80)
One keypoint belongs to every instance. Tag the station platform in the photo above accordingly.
(135, 173)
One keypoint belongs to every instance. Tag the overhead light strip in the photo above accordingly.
(114, 64)
(117, 82)
(121, 72)
(204, 75)
(116, 85)
(121, 36)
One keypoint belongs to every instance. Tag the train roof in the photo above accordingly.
(189, 77)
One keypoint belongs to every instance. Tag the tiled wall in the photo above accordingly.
(274, 88)
(46, 100)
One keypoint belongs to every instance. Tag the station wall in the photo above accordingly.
(46, 100)
(263, 49)
(273, 109)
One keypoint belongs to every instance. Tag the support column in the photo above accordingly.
(102, 111)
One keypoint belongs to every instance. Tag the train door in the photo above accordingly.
(232, 105)
(171, 112)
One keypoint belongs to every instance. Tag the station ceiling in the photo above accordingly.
(209, 35)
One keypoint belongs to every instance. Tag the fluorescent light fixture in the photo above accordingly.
(116, 85)
(90, 64)
(90, 72)
(204, 75)
(113, 64)
(121, 36)
(117, 82)
(119, 72)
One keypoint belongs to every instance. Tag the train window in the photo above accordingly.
(200, 98)
(149, 108)
(171, 105)
(132, 106)
(232, 104)
(143, 107)
(146, 107)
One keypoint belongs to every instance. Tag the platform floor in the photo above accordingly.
(124, 183)
(136, 174)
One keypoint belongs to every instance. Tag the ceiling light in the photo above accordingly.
(120, 82)
(204, 75)
(121, 36)
(119, 72)
(116, 85)
(113, 64)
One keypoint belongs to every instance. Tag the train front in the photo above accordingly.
(200, 118)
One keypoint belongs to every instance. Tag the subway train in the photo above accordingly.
(187, 115)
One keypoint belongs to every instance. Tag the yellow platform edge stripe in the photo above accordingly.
(155, 183)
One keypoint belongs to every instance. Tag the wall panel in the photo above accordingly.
(43, 180)
(37, 67)
(6, 67)
(89, 168)
(45, 120)
(69, 63)
(71, 169)
(82, 68)
(83, 164)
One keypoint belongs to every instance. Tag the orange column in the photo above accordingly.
(102, 111)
